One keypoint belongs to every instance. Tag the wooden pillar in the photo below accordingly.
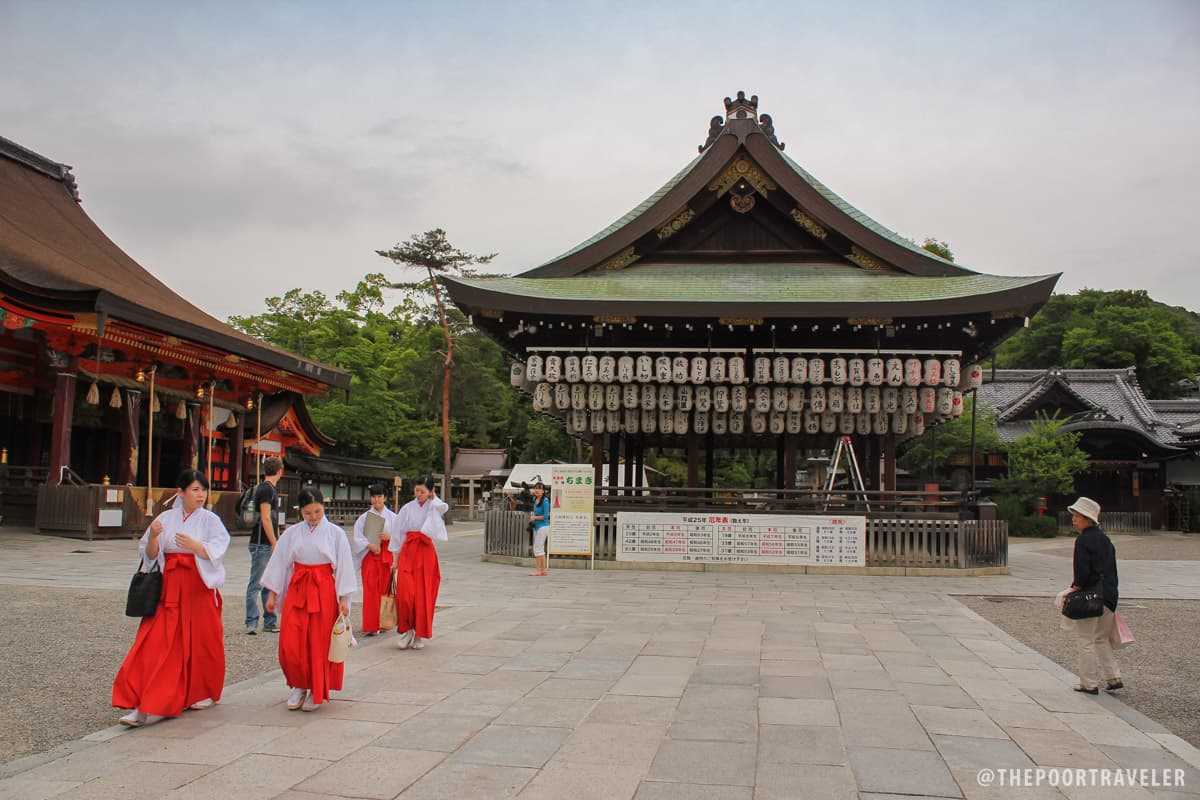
(614, 461)
(131, 419)
(693, 459)
(789, 463)
(889, 463)
(627, 478)
(191, 438)
(60, 436)
(598, 459)
(157, 471)
(237, 453)
(709, 459)
(780, 463)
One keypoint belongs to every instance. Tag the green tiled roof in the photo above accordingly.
(803, 283)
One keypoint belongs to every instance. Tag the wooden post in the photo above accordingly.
(598, 459)
(693, 459)
(191, 437)
(889, 463)
(237, 440)
(60, 435)
(614, 460)
(131, 417)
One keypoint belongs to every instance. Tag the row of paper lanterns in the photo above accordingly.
(716, 369)
(632, 420)
(943, 401)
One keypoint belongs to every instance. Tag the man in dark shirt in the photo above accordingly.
(262, 542)
(1095, 563)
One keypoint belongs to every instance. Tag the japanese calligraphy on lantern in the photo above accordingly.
(742, 538)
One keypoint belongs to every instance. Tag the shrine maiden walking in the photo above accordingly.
(375, 557)
(310, 577)
(177, 660)
(416, 526)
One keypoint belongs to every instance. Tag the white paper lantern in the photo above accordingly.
(928, 399)
(858, 371)
(553, 368)
(871, 400)
(666, 398)
(776, 423)
(578, 396)
(608, 369)
(737, 399)
(974, 376)
(595, 399)
(932, 372)
(880, 424)
(956, 409)
(703, 398)
(632, 420)
(894, 372)
(799, 369)
(562, 396)
(875, 371)
(835, 399)
(758, 422)
(862, 424)
(917, 424)
(796, 398)
(699, 369)
(612, 396)
(649, 400)
(662, 371)
(649, 421)
(737, 372)
(579, 421)
(900, 423)
(737, 424)
(681, 369)
(816, 399)
(951, 372)
(516, 374)
(597, 422)
(891, 399)
(780, 369)
(812, 422)
(701, 422)
(762, 399)
(794, 422)
(720, 424)
(912, 372)
(666, 423)
(845, 424)
(910, 401)
(644, 369)
(829, 422)
(816, 371)
(680, 419)
(571, 369)
(837, 370)
(590, 368)
(762, 369)
(683, 398)
(854, 400)
(945, 401)
(779, 398)
(543, 397)
(612, 421)
(720, 398)
(533, 369)
(629, 396)
(625, 369)
(717, 371)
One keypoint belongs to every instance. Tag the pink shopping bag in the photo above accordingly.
(1121, 636)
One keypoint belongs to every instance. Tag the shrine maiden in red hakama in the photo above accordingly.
(418, 576)
(375, 560)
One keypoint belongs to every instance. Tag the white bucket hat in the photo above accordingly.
(1086, 507)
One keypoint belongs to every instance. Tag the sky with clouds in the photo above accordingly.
(239, 150)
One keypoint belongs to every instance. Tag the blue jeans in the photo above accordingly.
(260, 554)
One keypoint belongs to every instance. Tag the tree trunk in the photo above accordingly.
(437, 296)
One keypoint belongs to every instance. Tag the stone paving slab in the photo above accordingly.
(648, 685)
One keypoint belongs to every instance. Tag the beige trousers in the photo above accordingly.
(1094, 648)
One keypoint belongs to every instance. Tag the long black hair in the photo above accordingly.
(309, 495)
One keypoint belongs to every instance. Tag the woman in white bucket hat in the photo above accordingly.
(1095, 562)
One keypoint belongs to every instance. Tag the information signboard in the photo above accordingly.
(742, 538)
(572, 500)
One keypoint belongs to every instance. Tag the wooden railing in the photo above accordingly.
(1113, 521)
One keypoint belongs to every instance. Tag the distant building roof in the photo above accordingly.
(477, 463)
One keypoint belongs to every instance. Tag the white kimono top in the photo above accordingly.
(360, 537)
(203, 526)
(300, 544)
(416, 517)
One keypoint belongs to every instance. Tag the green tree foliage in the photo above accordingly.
(953, 443)
(1095, 329)
(1045, 461)
(938, 248)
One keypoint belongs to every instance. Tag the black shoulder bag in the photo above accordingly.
(1084, 603)
(144, 591)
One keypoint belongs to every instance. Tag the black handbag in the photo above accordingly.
(144, 591)
(1084, 603)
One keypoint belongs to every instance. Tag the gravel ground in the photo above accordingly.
(91, 635)
(1160, 671)
(1159, 547)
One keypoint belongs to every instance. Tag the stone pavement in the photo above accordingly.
(647, 685)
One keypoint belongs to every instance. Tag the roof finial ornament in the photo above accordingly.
(741, 108)
(768, 129)
(715, 126)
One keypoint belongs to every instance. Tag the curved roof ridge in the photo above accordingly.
(1136, 400)
(1051, 378)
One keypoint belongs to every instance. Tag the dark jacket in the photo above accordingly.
(1096, 562)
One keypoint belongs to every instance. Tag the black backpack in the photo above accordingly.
(247, 515)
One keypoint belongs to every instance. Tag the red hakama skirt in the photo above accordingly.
(178, 656)
(376, 574)
(418, 577)
(310, 607)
